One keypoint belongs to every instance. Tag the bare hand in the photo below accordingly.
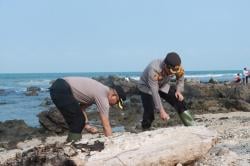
(164, 116)
(90, 129)
(179, 96)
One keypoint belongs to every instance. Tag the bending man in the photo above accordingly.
(154, 84)
(71, 95)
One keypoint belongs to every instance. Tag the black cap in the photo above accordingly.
(121, 94)
(172, 59)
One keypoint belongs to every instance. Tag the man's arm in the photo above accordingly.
(154, 87)
(85, 116)
(153, 84)
(106, 125)
(102, 104)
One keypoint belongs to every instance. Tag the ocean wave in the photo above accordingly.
(204, 75)
(132, 77)
(34, 83)
(196, 76)
(18, 90)
(6, 91)
(6, 87)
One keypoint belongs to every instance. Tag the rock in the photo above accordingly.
(3, 102)
(28, 144)
(13, 131)
(135, 99)
(46, 102)
(5, 156)
(217, 97)
(212, 81)
(51, 82)
(32, 91)
(2, 91)
(237, 104)
(55, 140)
(53, 120)
(33, 88)
(2, 149)
(69, 151)
(222, 151)
(129, 86)
(213, 109)
(192, 81)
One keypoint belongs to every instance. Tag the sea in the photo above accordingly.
(14, 104)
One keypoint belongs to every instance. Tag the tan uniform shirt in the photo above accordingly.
(149, 83)
(88, 91)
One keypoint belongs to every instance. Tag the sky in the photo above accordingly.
(47, 36)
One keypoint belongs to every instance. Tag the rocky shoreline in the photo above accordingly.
(230, 102)
(233, 145)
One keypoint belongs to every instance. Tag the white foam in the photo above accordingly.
(204, 75)
(34, 83)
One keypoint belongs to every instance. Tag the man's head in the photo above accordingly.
(117, 96)
(172, 62)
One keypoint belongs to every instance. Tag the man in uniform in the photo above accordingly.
(154, 84)
(71, 95)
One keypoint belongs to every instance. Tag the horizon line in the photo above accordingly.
(103, 72)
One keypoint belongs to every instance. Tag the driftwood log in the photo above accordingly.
(166, 146)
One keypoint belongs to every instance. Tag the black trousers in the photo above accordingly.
(64, 100)
(148, 105)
